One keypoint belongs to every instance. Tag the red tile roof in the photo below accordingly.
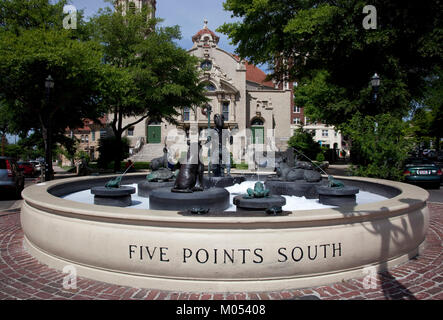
(203, 31)
(254, 74)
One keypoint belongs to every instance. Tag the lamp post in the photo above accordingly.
(375, 84)
(208, 112)
(47, 134)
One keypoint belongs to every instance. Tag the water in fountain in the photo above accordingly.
(293, 203)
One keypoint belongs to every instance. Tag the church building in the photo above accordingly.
(258, 112)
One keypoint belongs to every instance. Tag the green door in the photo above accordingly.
(154, 134)
(258, 135)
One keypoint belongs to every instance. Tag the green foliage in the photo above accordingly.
(33, 45)
(302, 141)
(240, 166)
(19, 15)
(320, 157)
(108, 148)
(14, 151)
(82, 155)
(379, 145)
(427, 118)
(146, 74)
(324, 47)
(141, 165)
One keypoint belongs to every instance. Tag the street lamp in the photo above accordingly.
(49, 85)
(208, 113)
(375, 83)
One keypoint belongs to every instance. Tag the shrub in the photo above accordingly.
(107, 151)
(302, 141)
(320, 157)
(141, 165)
(379, 146)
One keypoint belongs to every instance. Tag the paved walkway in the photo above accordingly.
(22, 277)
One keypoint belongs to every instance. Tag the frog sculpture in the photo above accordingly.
(114, 183)
(332, 183)
(259, 191)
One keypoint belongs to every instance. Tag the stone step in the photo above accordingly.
(148, 152)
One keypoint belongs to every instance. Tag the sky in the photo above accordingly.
(188, 14)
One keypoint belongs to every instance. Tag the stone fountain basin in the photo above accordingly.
(168, 250)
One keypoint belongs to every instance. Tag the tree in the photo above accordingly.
(147, 74)
(303, 142)
(4, 125)
(379, 145)
(33, 52)
(325, 48)
(107, 151)
(427, 117)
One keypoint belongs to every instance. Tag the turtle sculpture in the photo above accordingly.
(259, 191)
(162, 175)
(333, 183)
(301, 171)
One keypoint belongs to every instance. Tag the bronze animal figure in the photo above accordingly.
(190, 177)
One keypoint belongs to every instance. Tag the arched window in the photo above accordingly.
(210, 87)
(257, 122)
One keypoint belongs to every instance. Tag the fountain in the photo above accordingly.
(299, 179)
(177, 244)
(113, 194)
(218, 177)
(336, 193)
(188, 192)
(161, 176)
(259, 199)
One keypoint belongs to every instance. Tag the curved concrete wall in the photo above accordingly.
(169, 251)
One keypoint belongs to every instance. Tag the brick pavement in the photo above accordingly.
(22, 277)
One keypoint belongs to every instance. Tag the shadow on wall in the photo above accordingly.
(392, 235)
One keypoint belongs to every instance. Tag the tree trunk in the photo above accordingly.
(118, 152)
(3, 144)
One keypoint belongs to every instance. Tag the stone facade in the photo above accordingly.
(138, 4)
(87, 139)
(257, 109)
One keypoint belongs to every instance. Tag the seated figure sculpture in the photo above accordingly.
(190, 176)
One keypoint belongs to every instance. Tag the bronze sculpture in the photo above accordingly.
(190, 177)
(218, 166)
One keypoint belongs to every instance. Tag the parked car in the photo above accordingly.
(11, 177)
(423, 172)
(37, 165)
(27, 167)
